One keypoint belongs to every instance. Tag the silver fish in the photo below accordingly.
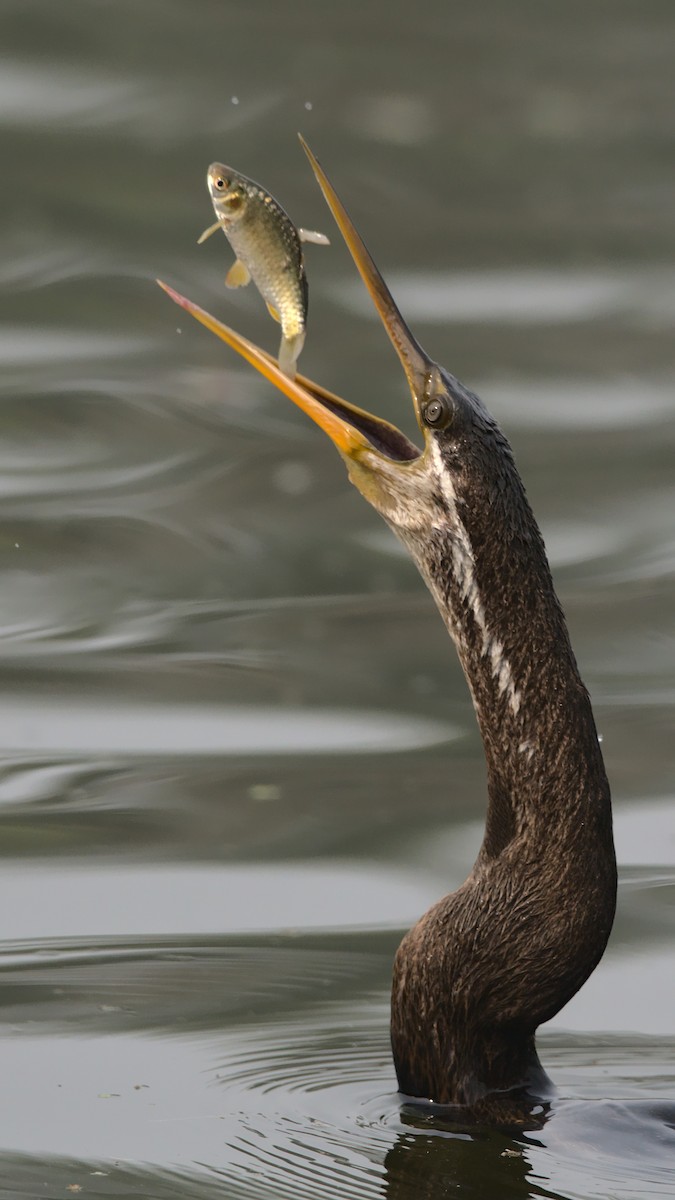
(268, 250)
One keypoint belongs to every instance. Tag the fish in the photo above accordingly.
(268, 250)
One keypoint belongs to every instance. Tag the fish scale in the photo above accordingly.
(268, 249)
(269, 245)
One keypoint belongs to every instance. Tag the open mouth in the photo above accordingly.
(352, 429)
(383, 437)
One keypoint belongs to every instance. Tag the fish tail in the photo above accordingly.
(289, 353)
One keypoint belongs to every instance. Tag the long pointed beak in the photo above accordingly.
(352, 430)
(416, 364)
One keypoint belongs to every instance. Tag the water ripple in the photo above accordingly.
(132, 729)
(342, 1119)
(161, 900)
(291, 1092)
(580, 404)
(31, 347)
(524, 297)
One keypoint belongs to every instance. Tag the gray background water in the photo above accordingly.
(239, 756)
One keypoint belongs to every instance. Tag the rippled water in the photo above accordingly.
(238, 754)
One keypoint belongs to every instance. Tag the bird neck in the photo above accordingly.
(487, 964)
(491, 581)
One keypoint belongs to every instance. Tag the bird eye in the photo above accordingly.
(436, 413)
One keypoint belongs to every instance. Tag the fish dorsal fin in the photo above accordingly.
(207, 232)
(273, 312)
(238, 275)
(310, 235)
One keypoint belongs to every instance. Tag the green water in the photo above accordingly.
(238, 754)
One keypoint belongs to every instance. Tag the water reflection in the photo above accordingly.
(591, 1143)
(428, 1167)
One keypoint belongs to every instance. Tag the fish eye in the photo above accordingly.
(437, 413)
(220, 182)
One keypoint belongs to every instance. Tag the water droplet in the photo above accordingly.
(308, 105)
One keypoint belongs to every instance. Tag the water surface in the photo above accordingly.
(238, 754)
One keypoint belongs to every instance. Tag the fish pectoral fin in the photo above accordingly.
(238, 275)
(289, 353)
(207, 232)
(273, 312)
(310, 235)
